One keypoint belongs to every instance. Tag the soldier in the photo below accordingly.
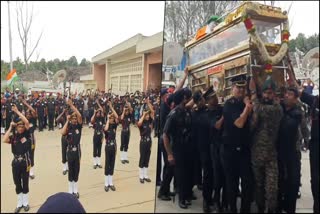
(61, 119)
(91, 107)
(288, 152)
(145, 128)
(51, 105)
(157, 117)
(98, 122)
(8, 111)
(3, 113)
(236, 145)
(19, 103)
(30, 115)
(125, 120)
(60, 106)
(201, 130)
(72, 130)
(313, 102)
(80, 105)
(20, 142)
(215, 139)
(41, 109)
(110, 148)
(177, 142)
(265, 125)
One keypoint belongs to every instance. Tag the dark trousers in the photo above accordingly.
(32, 157)
(20, 176)
(51, 119)
(74, 164)
(110, 151)
(64, 146)
(45, 121)
(197, 169)
(168, 171)
(156, 127)
(97, 144)
(314, 168)
(183, 172)
(289, 182)
(219, 177)
(125, 138)
(207, 167)
(159, 162)
(237, 165)
(91, 111)
(41, 121)
(145, 152)
(8, 121)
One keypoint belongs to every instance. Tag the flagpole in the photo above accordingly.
(10, 38)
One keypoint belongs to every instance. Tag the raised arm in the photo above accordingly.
(6, 136)
(64, 130)
(106, 127)
(141, 119)
(23, 118)
(113, 111)
(29, 107)
(181, 83)
(244, 116)
(76, 111)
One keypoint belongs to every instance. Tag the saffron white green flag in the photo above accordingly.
(12, 77)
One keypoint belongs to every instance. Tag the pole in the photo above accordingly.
(10, 38)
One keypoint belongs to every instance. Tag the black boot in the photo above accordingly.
(182, 204)
(206, 207)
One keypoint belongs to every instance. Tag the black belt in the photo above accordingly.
(236, 148)
(125, 129)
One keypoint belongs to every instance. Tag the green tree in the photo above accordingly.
(84, 62)
(72, 62)
(5, 69)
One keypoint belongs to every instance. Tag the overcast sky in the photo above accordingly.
(82, 29)
(85, 29)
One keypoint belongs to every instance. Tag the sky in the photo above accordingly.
(81, 29)
(85, 29)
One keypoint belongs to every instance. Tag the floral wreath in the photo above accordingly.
(267, 59)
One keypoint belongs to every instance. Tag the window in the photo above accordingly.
(124, 83)
(114, 83)
(136, 83)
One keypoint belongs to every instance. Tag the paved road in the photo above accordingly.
(130, 196)
(304, 204)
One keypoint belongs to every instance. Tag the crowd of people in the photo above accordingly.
(22, 115)
(249, 147)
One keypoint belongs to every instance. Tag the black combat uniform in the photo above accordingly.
(125, 135)
(289, 158)
(41, 108)
(51, 112)
(201, 134)
(9, 113)
(178, 127)
(97, 139)
(313, 102)
(145, 149)
(236, 155)
(73, 138)
(21, 149)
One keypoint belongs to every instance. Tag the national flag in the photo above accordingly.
(12, 76)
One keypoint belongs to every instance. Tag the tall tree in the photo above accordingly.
(24, 23)
(184, 18)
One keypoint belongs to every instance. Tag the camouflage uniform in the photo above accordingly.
(265, 125)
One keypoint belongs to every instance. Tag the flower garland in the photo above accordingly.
(266, 58)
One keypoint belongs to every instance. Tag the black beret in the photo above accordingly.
(239, 80)
(61, 203)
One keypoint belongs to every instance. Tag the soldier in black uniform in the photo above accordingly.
(177, 142)
(157, 117)
(51, 104)
(72, 130)
(41, 109)
(80, 105)
(61, 119)
(60, 105)
(91, 107)
(288, 152)
(236, 145)
(8, 112)
(145, 128)
(201, 131)
(20, 142)
(216, 123)
(110, 148)
(98, 122)
(31, 115)
(19, 103)
(125, 121)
